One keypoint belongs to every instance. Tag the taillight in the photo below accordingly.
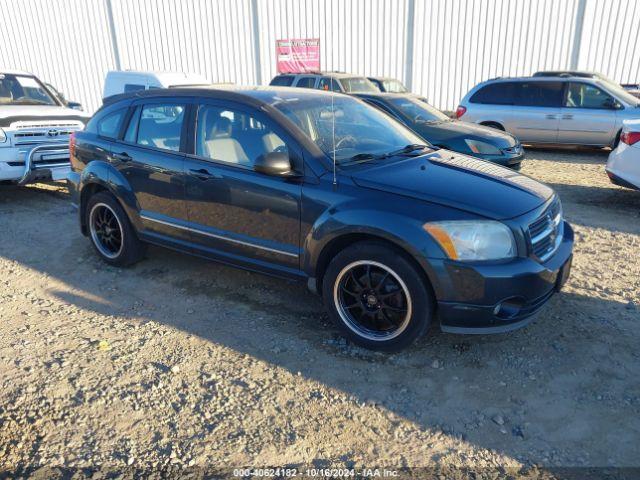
(72, 144)
(630, 137)
(460, 111)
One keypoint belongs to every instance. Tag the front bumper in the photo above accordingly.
(499, 297)
(35, 163)
(510, 161)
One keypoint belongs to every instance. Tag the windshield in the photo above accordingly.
(416, 110)
(394, 86)
(360, 130)
(358, 85)
(23, 90)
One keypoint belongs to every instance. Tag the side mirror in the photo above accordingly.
(276, 164)
(611, 104)
(75, 105)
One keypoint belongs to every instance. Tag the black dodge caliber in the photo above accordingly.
(323, 188)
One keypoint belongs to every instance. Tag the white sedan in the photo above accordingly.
(623, 166)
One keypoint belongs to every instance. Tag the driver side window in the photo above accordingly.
(233, 137)
(582, 95)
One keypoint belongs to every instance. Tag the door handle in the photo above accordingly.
(122, 157)
(203, 174)
(551, 116)
(567, 116)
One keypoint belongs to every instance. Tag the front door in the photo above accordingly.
(537, 111)
(588, 116)
(149, 158)
(234, 211)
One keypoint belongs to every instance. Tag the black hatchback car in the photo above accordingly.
(326, 189)
(435, 127)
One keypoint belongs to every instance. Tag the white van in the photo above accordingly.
(130, 81)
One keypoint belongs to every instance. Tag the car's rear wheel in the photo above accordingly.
(377, 296)
(110, 231)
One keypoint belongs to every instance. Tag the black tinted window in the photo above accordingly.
(500, 93)
(131, 87)
(160, 126)
(539, 94)
(306, 82)
(282, 81)
(109, 126)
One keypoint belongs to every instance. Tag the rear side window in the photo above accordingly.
(500, 93)
(132, 87)
(306, 82)
(109, 126)
(282, 81)
(160, 126)
(539, 94)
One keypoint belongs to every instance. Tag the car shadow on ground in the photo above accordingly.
(543, 388)
(585, 155)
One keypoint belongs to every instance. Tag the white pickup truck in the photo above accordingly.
(34, 130)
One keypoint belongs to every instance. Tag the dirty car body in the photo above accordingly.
(314, 222)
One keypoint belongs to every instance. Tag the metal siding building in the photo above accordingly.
(440, 48)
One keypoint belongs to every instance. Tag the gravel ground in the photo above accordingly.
(179, 363)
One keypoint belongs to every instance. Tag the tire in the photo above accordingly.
(495, 125)
(111, 232)
(616, 142)
(393, 308)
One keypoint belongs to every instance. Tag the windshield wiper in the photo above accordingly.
(361, 157)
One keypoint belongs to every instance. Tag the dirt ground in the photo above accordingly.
(178, 362)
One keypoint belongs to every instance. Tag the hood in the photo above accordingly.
(460, 182)
(456, 130)
(14, 113)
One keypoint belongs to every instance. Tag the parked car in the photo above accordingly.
(440, 130)
(67, 103)
(632, 88)
(552, 109)
(623, 165)
(322, 188)
(127, 81)
(389, 85)
(34, 130)
(335, 81)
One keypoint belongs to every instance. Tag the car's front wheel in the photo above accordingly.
(111, 232)
(377, 296)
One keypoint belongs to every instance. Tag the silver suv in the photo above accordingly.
(557, 110)
(336, 81)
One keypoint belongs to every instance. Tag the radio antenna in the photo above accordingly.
(333, 132)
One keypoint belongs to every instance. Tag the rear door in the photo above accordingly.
(233, 210)
(150, 157)
(537, 111)
(588, 115)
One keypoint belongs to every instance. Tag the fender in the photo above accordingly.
(407, 235)
(109, 178)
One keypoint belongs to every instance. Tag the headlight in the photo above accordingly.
(483, 148)
(473, 240)
(3, 136)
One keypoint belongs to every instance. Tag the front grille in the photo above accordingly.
(545, 234)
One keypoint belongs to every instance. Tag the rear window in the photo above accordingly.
(109, 125)
(282, 81)
(539, 94)
(133, 87)
(500, 93)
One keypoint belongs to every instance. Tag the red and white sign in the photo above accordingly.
(298, 55)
